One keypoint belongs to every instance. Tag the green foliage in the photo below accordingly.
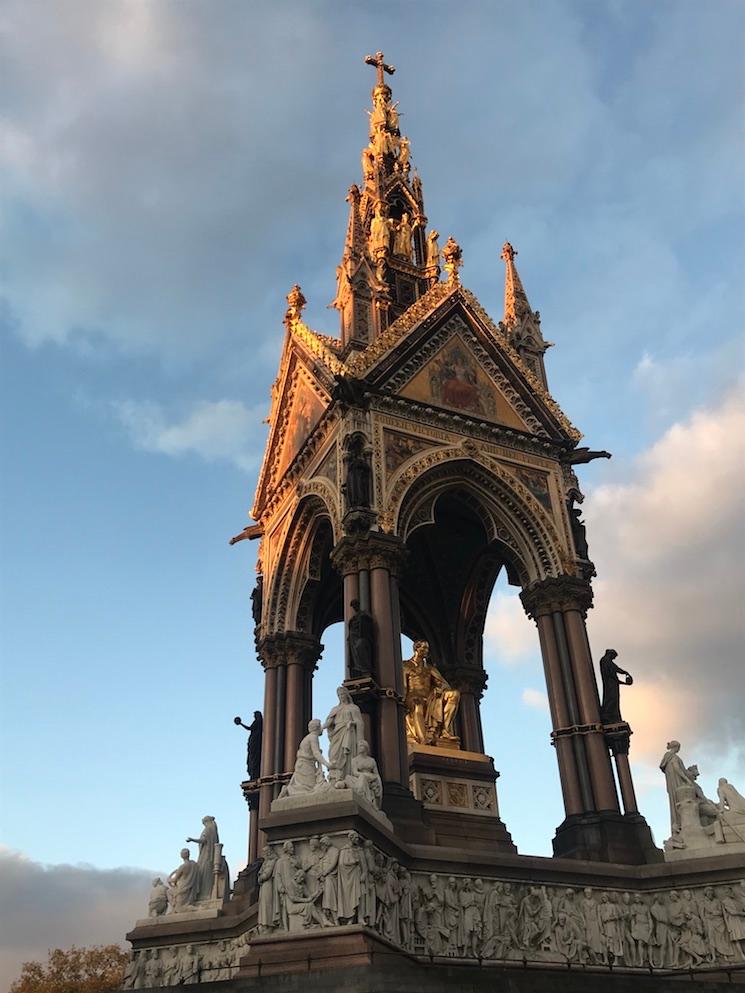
(99, 969)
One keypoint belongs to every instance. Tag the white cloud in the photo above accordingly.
(536, 699)
(225, 430)
(510, 638)
(55, 906)
(669, 547)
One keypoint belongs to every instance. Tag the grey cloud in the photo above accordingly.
(57, 906)
(171, 172)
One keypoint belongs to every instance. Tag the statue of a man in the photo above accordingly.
(257, 595)
(579, 532)
(431, 703)
(402, 244)
(433, 249)
(610, 709)
(360, 633)
(379, 231)
(309, 763)
(676, 775)
(730, 799)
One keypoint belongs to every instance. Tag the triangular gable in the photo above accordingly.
(455, 378)
(500, 388)
(298, 403)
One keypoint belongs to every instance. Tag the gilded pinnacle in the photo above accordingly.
(295, 303)
(452, 256)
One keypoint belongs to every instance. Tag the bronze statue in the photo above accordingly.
(610, 709)
(253, 751)
(257, 596)
(359, 473)
(431, 703)
(360, 633)
(579, 533)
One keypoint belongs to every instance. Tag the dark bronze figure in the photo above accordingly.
(579, 532)
(610, 709)
(359, 473)
(360, 634)
(253, 752)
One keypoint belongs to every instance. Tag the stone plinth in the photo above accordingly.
(337, 949)
(459, 794)
(304, 804)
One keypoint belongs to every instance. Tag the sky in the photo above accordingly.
(167, 171)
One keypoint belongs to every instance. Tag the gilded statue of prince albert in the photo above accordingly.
(431, 703)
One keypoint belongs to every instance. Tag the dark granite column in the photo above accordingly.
(594, 827)
(471, 683)
(374, 559)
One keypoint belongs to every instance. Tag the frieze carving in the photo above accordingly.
(342, 878)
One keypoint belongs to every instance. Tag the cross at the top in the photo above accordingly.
(377, 61)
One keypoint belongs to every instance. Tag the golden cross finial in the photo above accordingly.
(508, 252)
(377, 61)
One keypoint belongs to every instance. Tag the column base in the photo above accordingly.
(407, 815)
(606, 836)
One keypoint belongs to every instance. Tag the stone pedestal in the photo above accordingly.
(336, 949)
(459, 794)
(606, 837)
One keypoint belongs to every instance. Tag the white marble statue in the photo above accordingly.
(158, 902)
(364, 779)
(309, 763)
(345, 729)
(207, 841)
(698, 825)
(184, 884)
(730, 799)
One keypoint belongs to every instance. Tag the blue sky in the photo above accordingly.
(167, 172)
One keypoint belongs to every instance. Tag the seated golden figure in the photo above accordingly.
(431, 703)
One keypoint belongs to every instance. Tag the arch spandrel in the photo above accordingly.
(302, 561)
(512, 516)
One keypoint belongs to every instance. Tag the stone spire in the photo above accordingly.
(523, 325)
(516, 306)
(389, 260)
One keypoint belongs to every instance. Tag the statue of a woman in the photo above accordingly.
(379, 231)
(610, 709)
(365, 778)
(345, 729)
(433, 248)
(206, 860)
(309, 763)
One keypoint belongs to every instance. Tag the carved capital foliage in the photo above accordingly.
(557, 593)
(289, 648)
(468, 680)
(370, 551)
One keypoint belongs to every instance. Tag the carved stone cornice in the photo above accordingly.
(370, 551)
(557, 593)
(289, 648)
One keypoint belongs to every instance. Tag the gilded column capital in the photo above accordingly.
(374, 550)
(557, 593)
(289, 648)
